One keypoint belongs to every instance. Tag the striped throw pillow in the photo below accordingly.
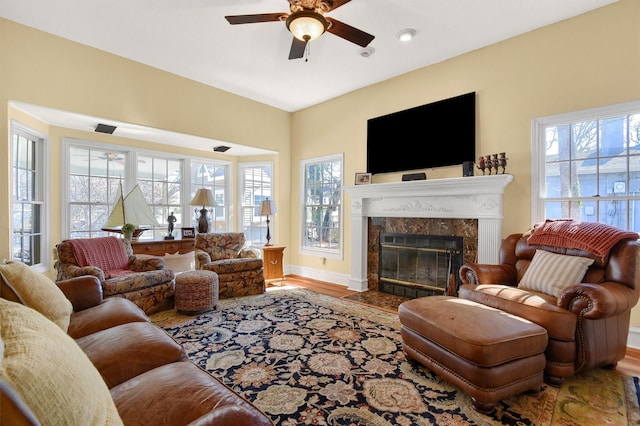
(551, 273)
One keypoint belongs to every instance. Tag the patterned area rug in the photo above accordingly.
(305, 358)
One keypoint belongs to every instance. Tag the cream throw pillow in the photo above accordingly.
(180, 262)
(551, 273)
(38, 292)
(50, 372)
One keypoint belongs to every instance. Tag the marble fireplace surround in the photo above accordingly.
(476, 197)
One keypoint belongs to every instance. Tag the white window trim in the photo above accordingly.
(66, 172)
(132, 172)
(43, 169)
(240, 194)
(228, 185)
(316, 251)
(538, 126)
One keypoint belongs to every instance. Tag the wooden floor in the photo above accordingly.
(630, 365)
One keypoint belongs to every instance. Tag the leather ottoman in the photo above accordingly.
(196, 292)
(487, 353)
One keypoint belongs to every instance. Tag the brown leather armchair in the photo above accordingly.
(587, 323)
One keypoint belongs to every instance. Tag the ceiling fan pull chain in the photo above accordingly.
(306, 52)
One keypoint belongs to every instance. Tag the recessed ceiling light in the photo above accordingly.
(406, 34)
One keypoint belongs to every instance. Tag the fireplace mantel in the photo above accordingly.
(476, 197)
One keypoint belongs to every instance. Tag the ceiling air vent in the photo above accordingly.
(105, 128)
(221, 148)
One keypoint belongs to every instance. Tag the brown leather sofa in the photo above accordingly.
(147, 373)
(587, 323)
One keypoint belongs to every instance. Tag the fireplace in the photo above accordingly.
(419, 265)
(476, 200)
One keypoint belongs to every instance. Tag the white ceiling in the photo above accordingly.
(192, 39)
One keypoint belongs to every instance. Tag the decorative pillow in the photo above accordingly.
(51, 374)
(551, 273)
(38, 292)
(180, 262)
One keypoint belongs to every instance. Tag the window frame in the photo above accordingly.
(42, 171)
(68, 144)
(194, 211)
(320, 251)
(538, 153)
(131, 179)
(163, 204)
(261, 228)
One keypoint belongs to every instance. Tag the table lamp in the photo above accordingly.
(268, 208)
(203, 197)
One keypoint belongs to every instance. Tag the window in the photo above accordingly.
(586, 166)
(95, 172)
(29, 202)
(321, 210)
(94, 178)
(159, 179)
(256, 185)
(211, 176)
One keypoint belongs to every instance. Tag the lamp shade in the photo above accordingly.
(267, 208)
(204, 197)
(306, 25)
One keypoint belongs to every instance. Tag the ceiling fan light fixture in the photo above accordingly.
(306, 25)
(406, 34)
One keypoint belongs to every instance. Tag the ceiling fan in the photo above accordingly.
(307, 22)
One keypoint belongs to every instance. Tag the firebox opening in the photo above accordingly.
(419, 265)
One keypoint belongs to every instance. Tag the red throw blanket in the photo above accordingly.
(106, 253)
(596, 238)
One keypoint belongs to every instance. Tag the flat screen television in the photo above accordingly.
(437, 134)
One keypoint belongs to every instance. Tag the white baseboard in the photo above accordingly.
(634, 338)
(319, 274)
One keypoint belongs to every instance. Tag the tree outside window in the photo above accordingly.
(322, 210)
(588, 166)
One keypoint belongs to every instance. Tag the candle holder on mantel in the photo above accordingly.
(492, 162)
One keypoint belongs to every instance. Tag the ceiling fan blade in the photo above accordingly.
(251, 19)
(297, 48)
(337, 3)
(349, 33)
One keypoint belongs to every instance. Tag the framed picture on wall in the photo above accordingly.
(188, 232)
(363, 178)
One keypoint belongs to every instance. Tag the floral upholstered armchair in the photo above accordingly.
(239, 268)
(143, 280)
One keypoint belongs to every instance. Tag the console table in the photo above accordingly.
(161, 247)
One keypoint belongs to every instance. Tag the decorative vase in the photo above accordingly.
(128, 235)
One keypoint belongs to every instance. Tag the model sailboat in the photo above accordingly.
(130, 209)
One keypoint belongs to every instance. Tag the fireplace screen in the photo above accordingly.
(419, 265)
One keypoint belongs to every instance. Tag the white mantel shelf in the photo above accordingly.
(474, 197)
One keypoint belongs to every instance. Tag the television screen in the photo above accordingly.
(438, 134)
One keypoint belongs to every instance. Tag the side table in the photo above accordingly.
(273, 263)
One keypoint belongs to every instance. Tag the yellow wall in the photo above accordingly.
(41, 69)
(589, 61)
